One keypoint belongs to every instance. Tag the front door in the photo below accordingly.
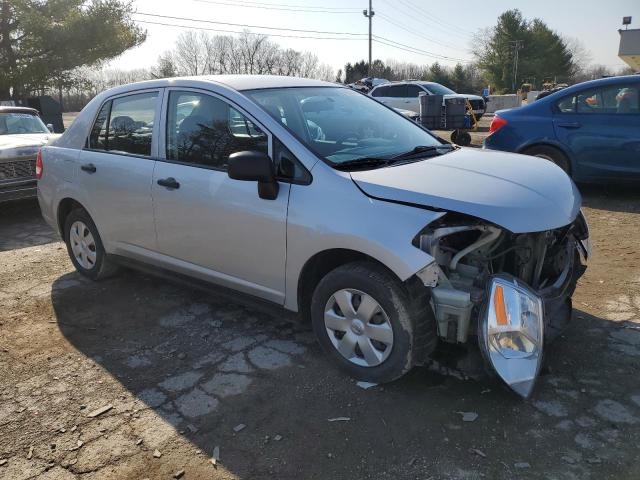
(116, 169)
(208, 224)
(601, 127)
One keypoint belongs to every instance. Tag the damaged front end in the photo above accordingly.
(509, 292)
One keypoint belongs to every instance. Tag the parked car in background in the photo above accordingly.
(410, 114)
(591, 130)
(405, 94)
(22, 133)
(319, 200)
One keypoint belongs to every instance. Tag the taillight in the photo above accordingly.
(39, 165)
(497, 123)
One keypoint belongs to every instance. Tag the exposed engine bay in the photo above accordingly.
(510, 291)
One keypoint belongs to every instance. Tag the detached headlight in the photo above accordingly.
(513, 334)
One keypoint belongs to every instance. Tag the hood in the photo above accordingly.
(516, 192)
(12, 146)
(463, 95)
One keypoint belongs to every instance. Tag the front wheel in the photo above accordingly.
(370, 325)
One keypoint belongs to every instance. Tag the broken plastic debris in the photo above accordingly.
(468, 416)
(339, 419)
(100, 411)
(239, 427)
(366, 385)
(215, 458)
(478, 452)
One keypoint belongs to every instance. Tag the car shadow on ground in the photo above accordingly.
(21, 225)
(182, 366)
(611, 197)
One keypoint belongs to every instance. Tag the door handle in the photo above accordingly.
(88, 167)
(570, 125)
(170, 183)
(407, 101)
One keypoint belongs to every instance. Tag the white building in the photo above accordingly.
(629, 51)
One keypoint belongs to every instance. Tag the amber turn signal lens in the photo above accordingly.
(498, 303)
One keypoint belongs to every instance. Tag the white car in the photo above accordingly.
(404, 95)
(22, 133)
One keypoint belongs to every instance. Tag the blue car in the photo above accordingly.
(590, 130)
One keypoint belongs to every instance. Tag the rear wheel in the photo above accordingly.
(461, 138)
(552, 154)
(85, 246)
(370, 324)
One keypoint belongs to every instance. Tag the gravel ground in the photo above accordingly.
(136, 377)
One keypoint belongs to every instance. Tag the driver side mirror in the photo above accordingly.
(50, 127)
(255, 166)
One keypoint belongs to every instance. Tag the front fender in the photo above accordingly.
(348, 219)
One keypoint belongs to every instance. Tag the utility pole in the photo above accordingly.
(517, 45)
(369, 14)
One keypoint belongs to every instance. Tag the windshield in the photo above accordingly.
(437, 89)
(12, 123)
(341, 125)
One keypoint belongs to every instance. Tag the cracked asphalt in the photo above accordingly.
(136, 377)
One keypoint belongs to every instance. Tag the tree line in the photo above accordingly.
(62, 47)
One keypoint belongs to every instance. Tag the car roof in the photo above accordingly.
(236, 82)
(12, 109)
(408, 82)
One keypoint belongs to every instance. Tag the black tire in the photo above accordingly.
(552, 154)
(461, 138)
(102, 267)
(407, 307)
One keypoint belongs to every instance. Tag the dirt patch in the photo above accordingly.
(183, 369)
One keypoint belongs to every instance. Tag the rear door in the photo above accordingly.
(601, 127)
(208, 224)
(116, 169)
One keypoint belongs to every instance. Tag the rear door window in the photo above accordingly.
(413, 91)
(614, 99)
(125, 124)
(131, 123)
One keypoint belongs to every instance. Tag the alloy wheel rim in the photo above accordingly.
(358, 327)
(83, 245)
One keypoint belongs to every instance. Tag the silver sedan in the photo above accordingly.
(318, 200)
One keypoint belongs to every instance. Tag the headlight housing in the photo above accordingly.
(512, 332)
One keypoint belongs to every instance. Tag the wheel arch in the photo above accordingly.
(550, 144)
(319, 265)
(65, 207)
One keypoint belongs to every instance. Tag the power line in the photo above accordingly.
(413, 17)
(419, 50)
(281, 35)
(437, 19)
(387, 19)
(187, 19)
(285, 7)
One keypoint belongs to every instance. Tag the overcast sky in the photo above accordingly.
(441, 30)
